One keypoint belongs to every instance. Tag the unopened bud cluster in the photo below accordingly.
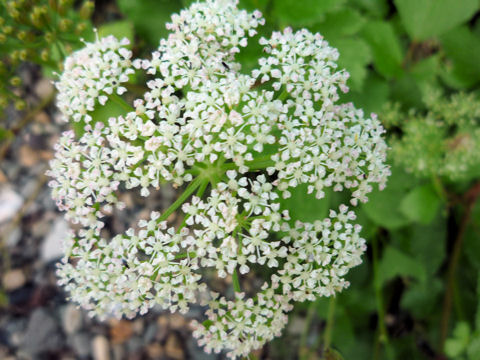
(40, 32)
(239, 143)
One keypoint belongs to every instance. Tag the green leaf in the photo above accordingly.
(343, 22)
(382, 206)
(426, 70)
(396, 263)
(305, 207)
(463, 49)
(427, 18)
(473, 350)
(252, 5)
(387, 52)
(354, 57)
(373, 95)
(305, 12)
(100, 114)
(457, 345)
(427, 244)
(149, 16)
(421, 204)
(375, 8)
(421, 299)
(406, 91)
(120, 29)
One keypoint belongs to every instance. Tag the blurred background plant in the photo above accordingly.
(40, 32)
(416, 63)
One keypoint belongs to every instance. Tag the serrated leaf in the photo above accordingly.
(149, 16)
(397, 263)
(427, 18)
(120, 29)
(386, 50)
(421, 204)
(354, 57)
(305, 12)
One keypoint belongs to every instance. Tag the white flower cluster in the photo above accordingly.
(91, 74)
(241, 142)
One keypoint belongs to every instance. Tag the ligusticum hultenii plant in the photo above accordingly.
(237, 143)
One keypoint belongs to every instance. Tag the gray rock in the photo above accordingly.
(13, 279)
(81, 345)
(52, 246)
(14, 237)
(71, 319)
(42, 333)
(134, 345)
(150, 333)
(10, 203)
(100, 348)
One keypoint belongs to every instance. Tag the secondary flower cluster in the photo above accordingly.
(444, 141)
(240, 143)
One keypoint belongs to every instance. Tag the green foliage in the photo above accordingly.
(382, 207)
(396, 263)
(150, 16)
(386, 49)
(427, 18)
(462, 46)
(421, 204)
(119, 29)
(312, 209)
(302, 13)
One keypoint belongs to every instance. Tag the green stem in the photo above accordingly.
(257, 164)
(185, 195)
(236, 282)
(283, 95)
(383, 335)
(117, 99)
(330, 323)
(303, 339)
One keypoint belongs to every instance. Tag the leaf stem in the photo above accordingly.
(383, 335)
(236, 282)
(308, 321)
(330, 323)
(470, 199)
(182, 198)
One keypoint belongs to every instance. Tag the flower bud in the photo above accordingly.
(20, 104)
(87, 9)
(65, 25)
(44, 55)
(15, 81)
